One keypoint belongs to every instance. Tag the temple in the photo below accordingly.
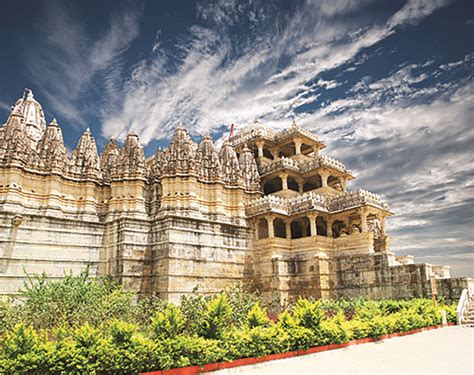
(267, 210)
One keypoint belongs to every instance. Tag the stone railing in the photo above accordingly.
(356, 199)
(313, 201)
(267, 204)
(295, 130)
(302, 166)
(307, 202)
(281, 163)
(249, 134)
(327, 161)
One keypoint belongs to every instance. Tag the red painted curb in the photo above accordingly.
(192, 370)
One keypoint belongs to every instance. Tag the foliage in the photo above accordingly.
(216, 316)
(257, 317)
(168, 323)
(85, 325)
(308, 314)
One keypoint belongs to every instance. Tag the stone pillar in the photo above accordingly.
(312, 224)
(259, 145)
(363, 222)
(271, 232)
(284, 180)
(343, 183)
(300, 183)
(324, 178)
(288, 229)
(315, 151)
(382, 225)
(297, 142)
(329, 227)
(275, 153)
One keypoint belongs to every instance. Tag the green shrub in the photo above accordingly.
(255, 342)
(187, 351)
(168, 323)
(122, 332)
(216, 316)
(308, 314)
(22, 351)
(257, 317)
(376, 327)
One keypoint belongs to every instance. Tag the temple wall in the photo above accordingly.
(37, 244)
(196, 254)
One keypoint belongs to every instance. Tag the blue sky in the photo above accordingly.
(387, 84)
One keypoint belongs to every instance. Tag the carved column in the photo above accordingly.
(324, 178)
(284, 180)
(363, 222)
(300, 183)
(343, 183)
(315, 151)
(297, 142)
(259, 145)
(312, 224)
(329, 227)
(275, 153)
(271, 231)
(288, 229)
(382, 225)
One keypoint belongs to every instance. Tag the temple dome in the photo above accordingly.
(30, 108)
(250, 132)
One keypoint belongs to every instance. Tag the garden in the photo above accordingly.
(81, 324)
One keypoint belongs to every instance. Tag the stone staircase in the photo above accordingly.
(466, 310)
(468, 316)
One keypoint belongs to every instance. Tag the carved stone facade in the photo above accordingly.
(266, 209)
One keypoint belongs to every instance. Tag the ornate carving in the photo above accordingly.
(84, 159)
(207, 159)
(230, 166)
(180, 157)
(110, 160)
(132, 156)
(52, 153)
(35, 123)
(14, 143)
(249, 169)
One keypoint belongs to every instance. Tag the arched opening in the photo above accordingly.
(335, 183)
(267, 154)
(321, 226)
(313, 182)
(292, 184)
(338, 228)
(300, 228)
(279, 228)
(272, 185)
(262, 229)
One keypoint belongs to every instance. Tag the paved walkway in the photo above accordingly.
(448, 350)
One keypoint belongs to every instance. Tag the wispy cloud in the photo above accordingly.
(66, 59)
(213, 83)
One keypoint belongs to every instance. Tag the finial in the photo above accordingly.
(87, 130)
(29, 94)
(294, 122)
(255, 121)
(53, 122)
(207, 136)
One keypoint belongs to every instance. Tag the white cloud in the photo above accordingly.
(65, 57)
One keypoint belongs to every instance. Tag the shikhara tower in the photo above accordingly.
(267, 209)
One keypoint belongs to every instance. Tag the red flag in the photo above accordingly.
(231, 131)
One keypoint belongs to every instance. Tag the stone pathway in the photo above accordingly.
(448, 350)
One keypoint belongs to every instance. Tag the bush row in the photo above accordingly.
(138, 336)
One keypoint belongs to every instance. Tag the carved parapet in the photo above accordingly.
(327, 161)
(307, 202)
(279, 164)
(356, 199)
(296, 130)
(269, 203)
(256, 130)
